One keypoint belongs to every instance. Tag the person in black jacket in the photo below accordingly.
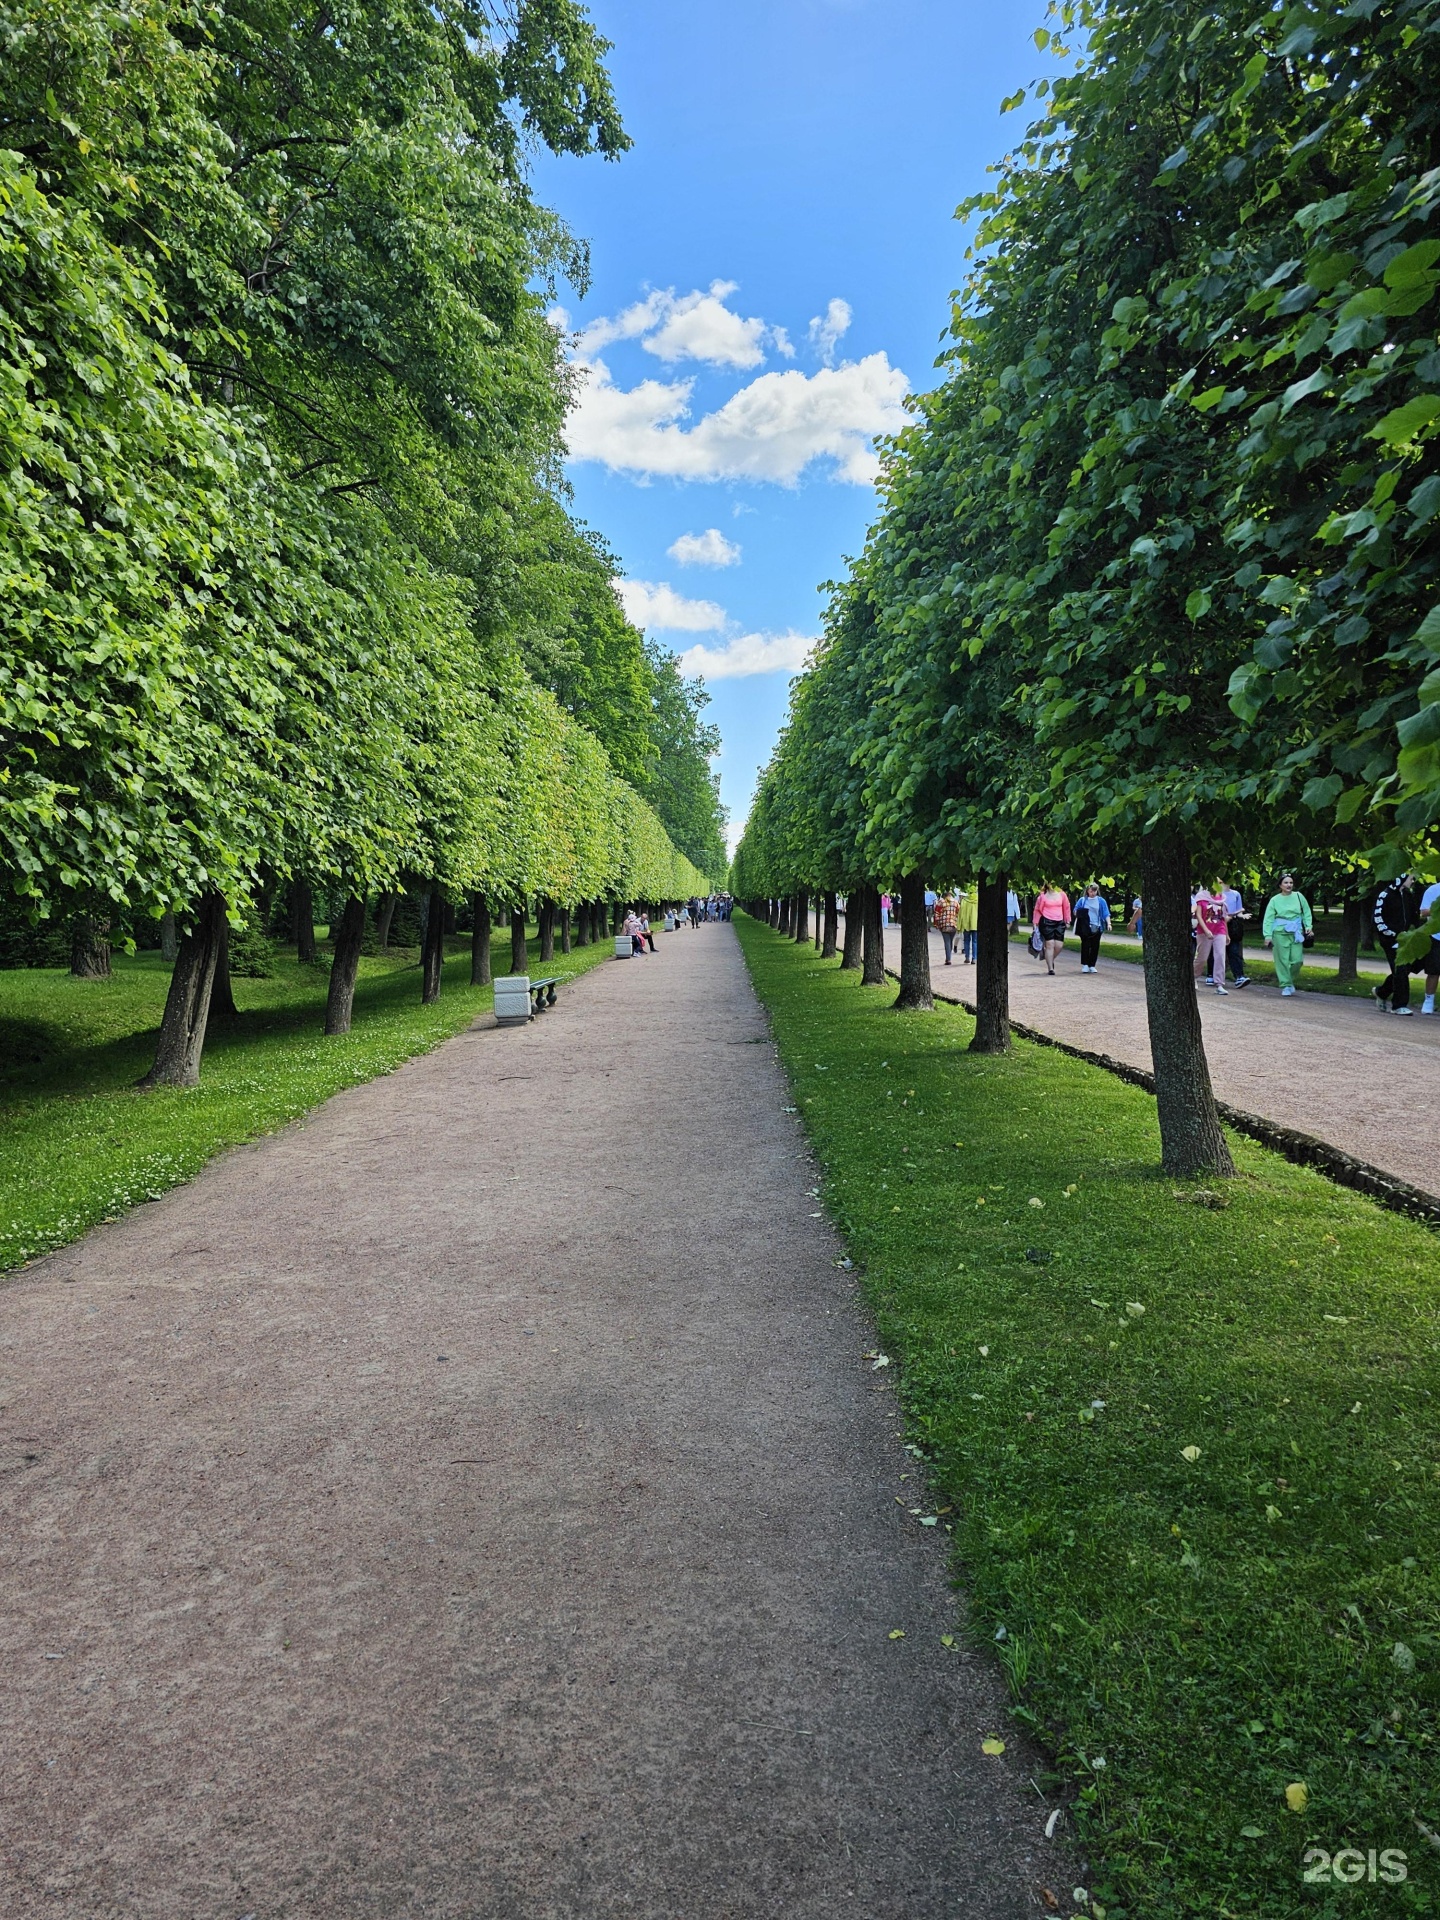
(1397, 910)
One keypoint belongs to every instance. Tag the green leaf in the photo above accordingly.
(1197, 604)
(1404, 424)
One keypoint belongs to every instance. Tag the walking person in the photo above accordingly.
(944, 915)
(885, 906)
(1092, 919)
(1287, 921)
(1429, 900)
(1012, 909)
(969, 923)
(1235, 918)
(1207, 910)
(1397, 912)
(1050, 919)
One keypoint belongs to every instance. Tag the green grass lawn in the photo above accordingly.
(1187, 1439)
(78, 1143)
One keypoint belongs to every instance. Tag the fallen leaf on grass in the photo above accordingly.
(992, 1746)
(1191, 1454)
(1297, 1796)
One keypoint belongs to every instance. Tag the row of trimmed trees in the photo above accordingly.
(288, 587)
(1154, 585)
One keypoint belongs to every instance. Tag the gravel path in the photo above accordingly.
(474, 1502)
(1331, 1066)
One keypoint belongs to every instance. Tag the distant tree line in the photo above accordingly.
(1155, 587)
(289, 592)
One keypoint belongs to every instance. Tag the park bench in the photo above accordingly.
(542, 993)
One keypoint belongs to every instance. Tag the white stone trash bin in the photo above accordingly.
(623, 948)
(512, 1000)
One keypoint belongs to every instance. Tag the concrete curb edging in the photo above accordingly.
(1301, 1148)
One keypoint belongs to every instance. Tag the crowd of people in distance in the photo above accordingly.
(715, 906)
(1218, 917)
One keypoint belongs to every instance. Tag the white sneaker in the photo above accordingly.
(1286, 992)
(1428, 1004)
(1224, 990)
(1406, 1013)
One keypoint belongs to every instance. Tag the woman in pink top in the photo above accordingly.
(1050, 919)
(1207, 910)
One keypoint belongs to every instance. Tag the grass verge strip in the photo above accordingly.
(1189, 1437)
(79, 1144)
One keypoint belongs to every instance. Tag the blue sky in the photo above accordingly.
(772, 265)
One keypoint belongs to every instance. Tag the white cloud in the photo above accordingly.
(689, 326)
(660, 609)
(770, 430)
(708, 549)
(826, 333)
(751, 653)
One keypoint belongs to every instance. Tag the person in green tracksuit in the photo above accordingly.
(1287, 921)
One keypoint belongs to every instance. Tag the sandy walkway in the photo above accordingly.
(1366, 1082)
(474, 1503)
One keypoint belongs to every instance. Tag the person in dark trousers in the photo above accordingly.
(1092, 918)
(1397, 911)
(1236, 916)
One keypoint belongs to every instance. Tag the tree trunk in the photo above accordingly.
(802, 918)
(992, 969)
(1351, 918)
(617, 918)
(850, 957)
(914, 995)
(222, 994)
(564, 929)
(302, 921)
(169, 938)
(519, 952)
(1190, 1138)
(187, 1005)
(874, 940)
(384, 915)
(349, 937)
(545, 920)
(832, 927)
(432, 951)
(90, 946)
(480, 940)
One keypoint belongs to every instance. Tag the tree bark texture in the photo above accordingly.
(90, 946)
(169, 938)
(802, 917)
(1351, 919)
(1191, 1141)
(519, 952)
(345, 967)
(992, 969)
(384, 915)
(915, 995)
(187, 1005)
(432, 952)
(564, 929)
(545, 921)
(874, 939)
(222, 994)
(302, 921)
(851, 951)
(832, 927)
(479, 940)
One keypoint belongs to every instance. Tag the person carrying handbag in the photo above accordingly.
(1287, 921)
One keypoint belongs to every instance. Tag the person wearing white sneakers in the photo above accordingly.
(1397, 912)
(1208, 910)
(1429, 900)
(1287, 921)
(1092, 918)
